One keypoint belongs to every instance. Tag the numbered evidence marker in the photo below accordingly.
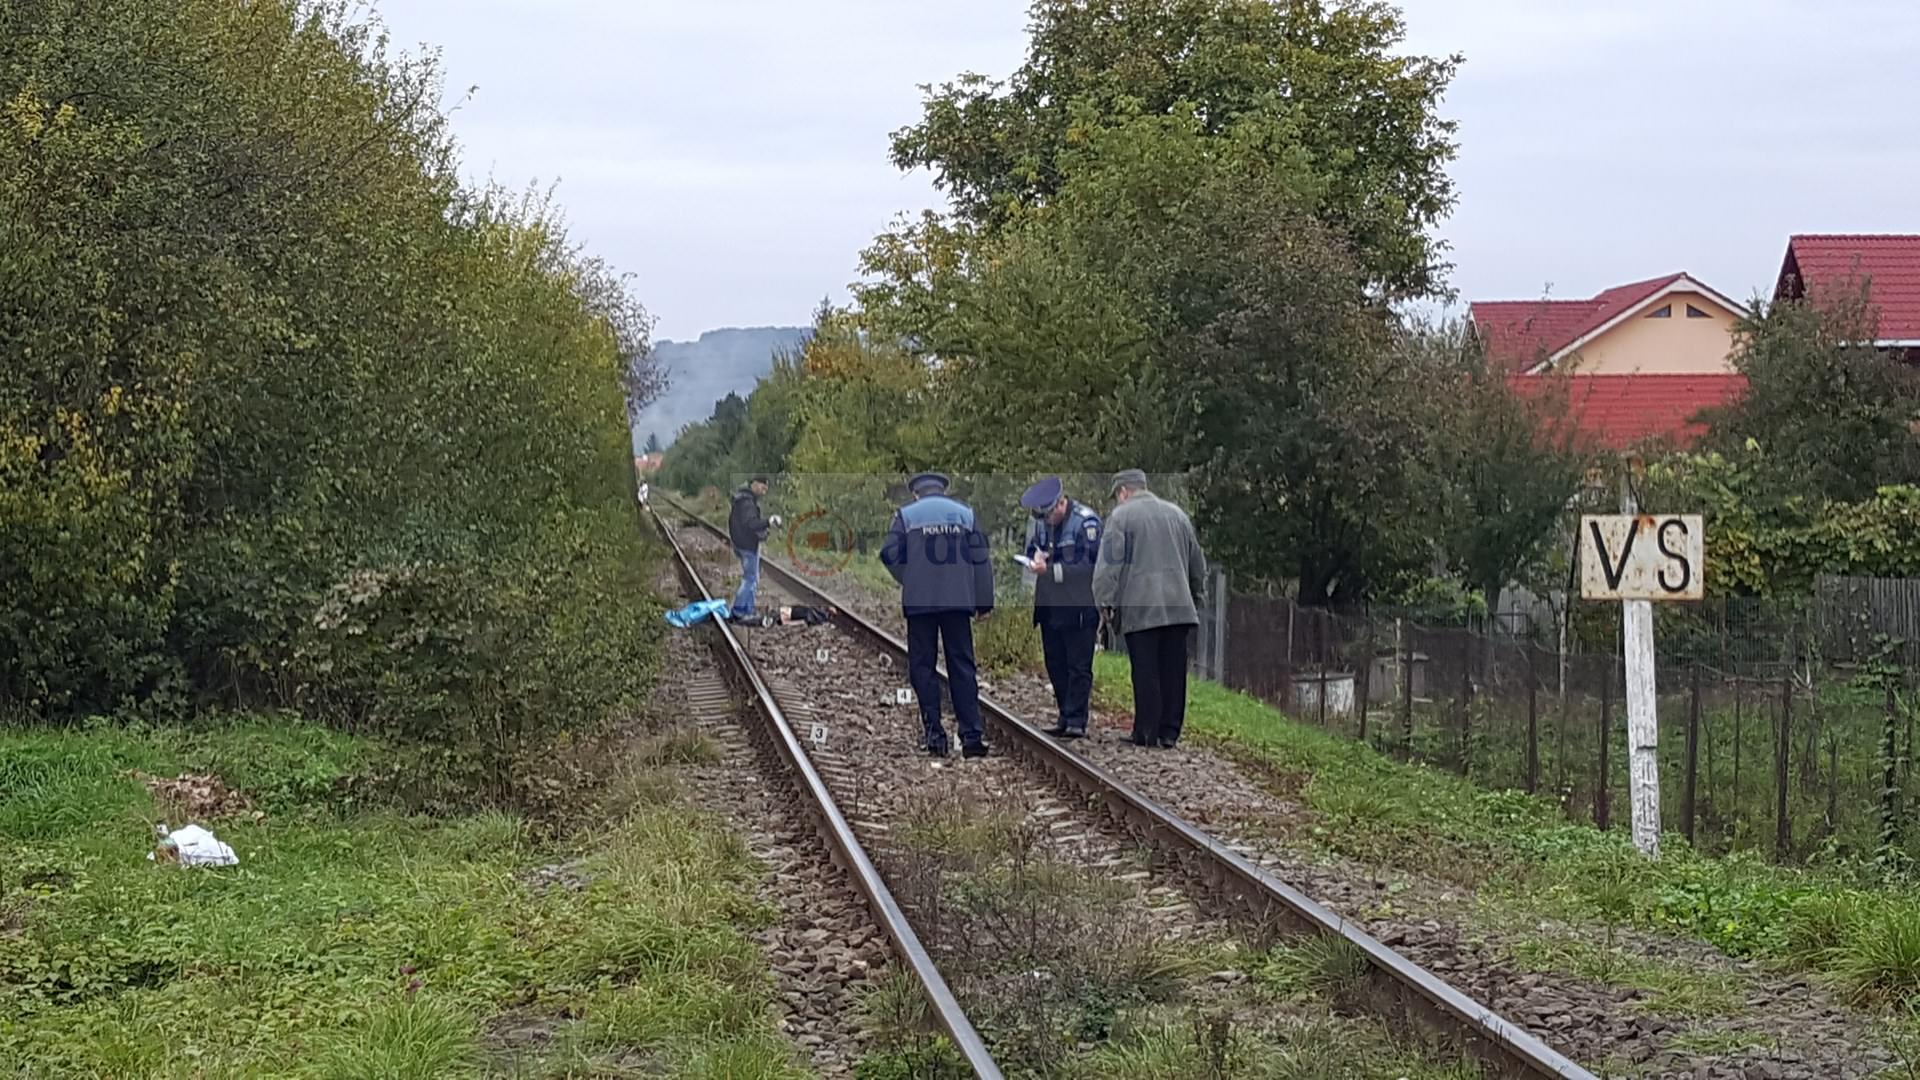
(824, 656)
(817, 735)
(903, 696)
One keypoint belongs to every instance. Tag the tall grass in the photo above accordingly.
(355, 941)
(1845, 922)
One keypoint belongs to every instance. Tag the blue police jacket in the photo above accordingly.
(1063, 596)
(940, 558)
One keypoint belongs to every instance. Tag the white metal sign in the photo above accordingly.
(1642, 557)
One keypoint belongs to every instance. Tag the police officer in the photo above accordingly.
(1063, 545)
(938, 554)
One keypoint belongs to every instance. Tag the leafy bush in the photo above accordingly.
(477, 665)
(1007, 642)
(1441, 602)
(277, 380)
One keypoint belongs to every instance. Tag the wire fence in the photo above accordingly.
(1785, 726)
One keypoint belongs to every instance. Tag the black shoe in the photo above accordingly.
(978, 750)
(1061, 731)
(1165, 744)
(937, 751)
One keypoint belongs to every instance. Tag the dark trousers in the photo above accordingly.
(925, 635)
(1069, 652)
(1159, 661)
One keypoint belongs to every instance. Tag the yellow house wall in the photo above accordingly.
(1671, 346)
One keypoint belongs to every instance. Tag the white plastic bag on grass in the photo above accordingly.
(191, 845)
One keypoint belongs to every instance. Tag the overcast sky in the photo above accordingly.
(732, 154)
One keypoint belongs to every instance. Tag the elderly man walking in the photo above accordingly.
(1149, 579)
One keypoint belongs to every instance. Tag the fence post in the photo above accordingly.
(1560, 734)
(1466, 699)
(1706, 736)
(1739, 722)
(1320, 699)
(1602, 797)
(1833, 782)
(1890, 775)
(1363, 677)
(1782, 834)
(1406, 687)
(1533, 724)
(1289, 699)
(1222, 596)
(1810, 759)
(1906, 758)
(1687, 804)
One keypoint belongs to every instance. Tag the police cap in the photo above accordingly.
(927, 483)
(1042, 495)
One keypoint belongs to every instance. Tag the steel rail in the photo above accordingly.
(839, 835)
(1400, 988)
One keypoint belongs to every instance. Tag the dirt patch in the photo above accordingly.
(13, 917)
(196, 797)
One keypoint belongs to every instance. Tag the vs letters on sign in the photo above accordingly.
(1642, 557)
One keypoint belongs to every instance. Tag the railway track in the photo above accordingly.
(815, 704)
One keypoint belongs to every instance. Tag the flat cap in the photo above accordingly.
(1125, 477)
(1042, 495)
(927, 483)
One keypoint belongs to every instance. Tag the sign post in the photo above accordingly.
(1639, 559)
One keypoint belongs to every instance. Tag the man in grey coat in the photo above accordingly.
(1149, 579)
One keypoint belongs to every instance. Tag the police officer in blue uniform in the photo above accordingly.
(1063, 544)
(938, 554)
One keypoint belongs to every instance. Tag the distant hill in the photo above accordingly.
(704, 371)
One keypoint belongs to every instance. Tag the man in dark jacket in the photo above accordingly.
(748, 530)
(1062, 545)
(1151, 577)
(938, 554)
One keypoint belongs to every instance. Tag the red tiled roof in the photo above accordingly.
(1517, 334)
(1892, 263)
(1618, 412)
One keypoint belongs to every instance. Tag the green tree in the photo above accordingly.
(1176, 304)
(1324, 76)
(1307, 435)
(291, 416)
(1508, 465)
(653, 443)
(1835, 416)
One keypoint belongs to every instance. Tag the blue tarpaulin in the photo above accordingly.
(698, 610)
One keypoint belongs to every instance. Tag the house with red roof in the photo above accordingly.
(1888, 266)
(1641, 361)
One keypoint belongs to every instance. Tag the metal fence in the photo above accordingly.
(1785, 726)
